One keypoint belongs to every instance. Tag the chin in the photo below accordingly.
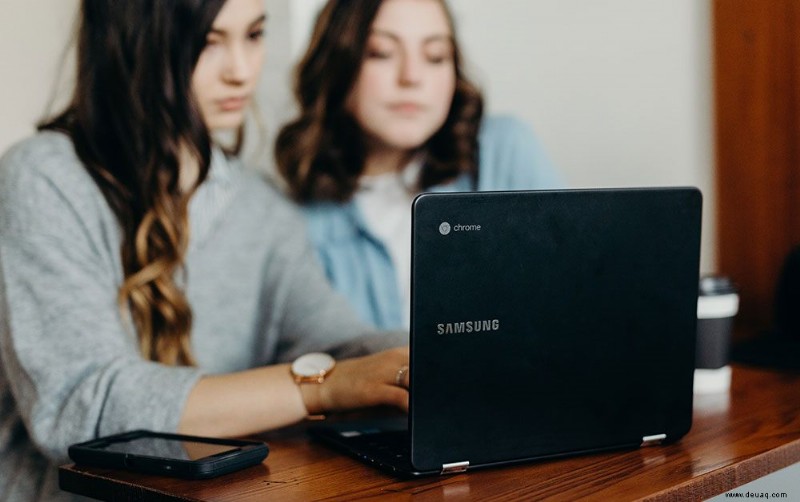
(226, 121)
(409, 142)
(406, 138)
(223, 126)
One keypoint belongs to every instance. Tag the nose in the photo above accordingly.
(237, 65)
(410, 70)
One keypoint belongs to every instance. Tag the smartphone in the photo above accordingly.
(178, 455)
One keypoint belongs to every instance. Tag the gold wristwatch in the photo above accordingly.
(312, 368)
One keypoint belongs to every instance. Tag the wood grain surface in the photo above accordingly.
(736, 437)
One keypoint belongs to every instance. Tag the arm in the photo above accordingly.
(73, 366)
(306, 316)
(70, 361)
(253, 394)
(73, 369)
(310, 315)
(76, 374)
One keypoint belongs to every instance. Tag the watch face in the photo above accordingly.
(314, 364)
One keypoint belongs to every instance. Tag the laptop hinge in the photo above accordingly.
(454, 467)
(653, 440)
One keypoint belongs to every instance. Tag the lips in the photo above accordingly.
(232, 104)
(406, 108)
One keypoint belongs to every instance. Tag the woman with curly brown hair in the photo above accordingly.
(386, 112)
(149, 281)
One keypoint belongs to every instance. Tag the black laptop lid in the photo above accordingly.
(551, 322)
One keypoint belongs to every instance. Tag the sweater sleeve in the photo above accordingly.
(512, 158)
(313, 316)
(72, 365)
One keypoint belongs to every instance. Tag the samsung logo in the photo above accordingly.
(468, 327)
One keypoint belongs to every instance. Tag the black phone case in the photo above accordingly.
(249, 453)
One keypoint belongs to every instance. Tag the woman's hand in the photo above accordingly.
(377, 379)
(267, 397)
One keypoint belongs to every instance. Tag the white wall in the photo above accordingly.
(33, 36)
(618, 90)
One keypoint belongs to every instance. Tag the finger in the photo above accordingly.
(400, 377)
(396, 396)
(398, 354)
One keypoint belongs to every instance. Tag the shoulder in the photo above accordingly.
(505, 132)
(512, 158)
(269, 201)
(332, 223)
(272, 220)
(47, 156)
(46, 151)
(499, 127)
(44, 185)
(324, 222)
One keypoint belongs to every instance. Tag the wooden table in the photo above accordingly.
(735, 439)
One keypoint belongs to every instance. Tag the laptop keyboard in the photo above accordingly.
(386, 446)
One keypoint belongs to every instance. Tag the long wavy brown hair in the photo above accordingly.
(132, 119)
(321, 153)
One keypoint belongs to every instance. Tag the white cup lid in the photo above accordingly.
(712, 381)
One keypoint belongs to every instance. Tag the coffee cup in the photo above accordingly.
(717, 306)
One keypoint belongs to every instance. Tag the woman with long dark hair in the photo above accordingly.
(148, 281)
(387, 112)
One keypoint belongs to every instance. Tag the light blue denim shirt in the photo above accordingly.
(358, 263)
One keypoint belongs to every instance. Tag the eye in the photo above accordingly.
(379, 47)
(377, 54)
(439, 53)
(256, 35)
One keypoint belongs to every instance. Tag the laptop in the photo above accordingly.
(543, 324)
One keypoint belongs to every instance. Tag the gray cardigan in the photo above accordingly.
(70, 369)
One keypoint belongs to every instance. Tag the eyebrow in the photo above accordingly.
(426, 40)
(253, 24)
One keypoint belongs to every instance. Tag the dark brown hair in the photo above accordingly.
(131, 115)
(321, 153)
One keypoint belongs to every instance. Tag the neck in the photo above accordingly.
(189, 170)
(386, 160)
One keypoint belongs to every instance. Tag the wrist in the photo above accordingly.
(310, 372)
(310, 394)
